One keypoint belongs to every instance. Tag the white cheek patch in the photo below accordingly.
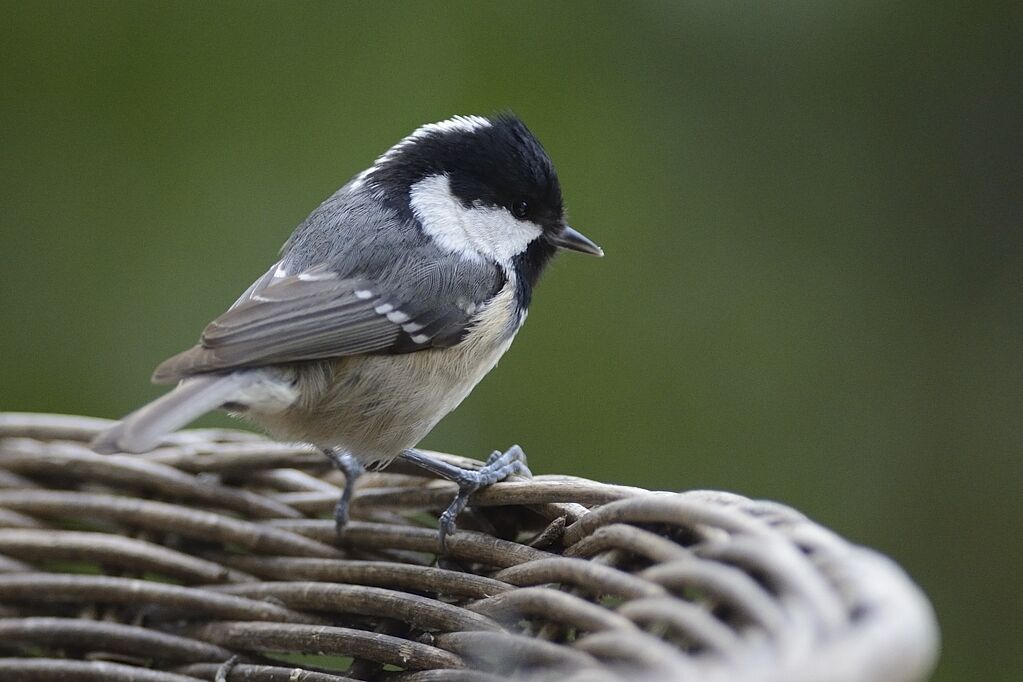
(476, 232)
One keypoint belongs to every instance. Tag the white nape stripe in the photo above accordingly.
(454, 124)
(477, 232)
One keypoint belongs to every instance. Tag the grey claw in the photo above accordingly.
(498, 467)
(352, 468)
(457, 506)
(340, 516)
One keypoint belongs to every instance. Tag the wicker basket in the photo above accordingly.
(163, 566)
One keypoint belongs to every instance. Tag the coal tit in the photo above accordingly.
(390, 302)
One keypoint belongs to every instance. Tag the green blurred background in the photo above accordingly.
(811, 213)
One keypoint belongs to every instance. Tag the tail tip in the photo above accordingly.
(108, 442)
(116, 439)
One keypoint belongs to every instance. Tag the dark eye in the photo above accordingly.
(520, 209)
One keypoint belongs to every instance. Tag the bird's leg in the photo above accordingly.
(352, 468)
(499, 466)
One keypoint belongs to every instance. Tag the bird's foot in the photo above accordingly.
(352, 468)
(499, 466)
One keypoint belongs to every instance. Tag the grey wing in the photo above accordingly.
(321, 314)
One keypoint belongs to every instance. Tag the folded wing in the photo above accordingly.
(319, 314)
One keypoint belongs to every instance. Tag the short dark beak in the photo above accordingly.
(568, 238)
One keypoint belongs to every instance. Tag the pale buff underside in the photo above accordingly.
(375, 406)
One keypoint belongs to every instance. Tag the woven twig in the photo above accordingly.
(220, 544)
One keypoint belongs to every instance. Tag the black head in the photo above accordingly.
(481, 187)
(490, 162)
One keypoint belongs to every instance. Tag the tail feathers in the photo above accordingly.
(143, 429)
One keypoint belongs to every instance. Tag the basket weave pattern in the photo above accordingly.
(165, 565)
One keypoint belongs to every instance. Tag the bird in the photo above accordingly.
(388, 304)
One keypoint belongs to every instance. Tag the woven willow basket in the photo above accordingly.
(219, 545)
